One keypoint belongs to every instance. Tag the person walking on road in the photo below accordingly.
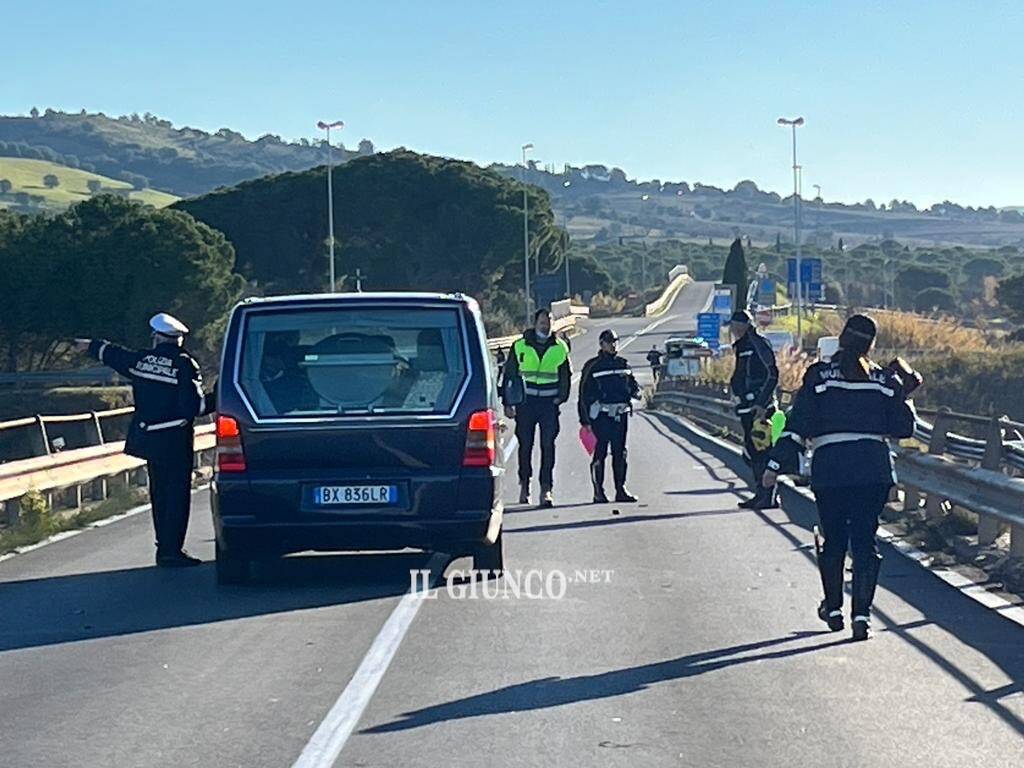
(654, 358)
(846, 409)
(753, 384)
(607, 389)
(536, 384)
(167, 388)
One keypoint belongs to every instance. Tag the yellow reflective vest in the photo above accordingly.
(540, 374)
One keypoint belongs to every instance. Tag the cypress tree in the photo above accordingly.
(735, 272)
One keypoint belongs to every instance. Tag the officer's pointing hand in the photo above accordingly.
(81, 345)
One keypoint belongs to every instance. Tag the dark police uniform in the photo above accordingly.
(847, 423)
(654, 358)
(547, 374)
(168, 392)
(607, 389)
(753, 383)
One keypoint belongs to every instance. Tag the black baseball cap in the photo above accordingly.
(608, 335)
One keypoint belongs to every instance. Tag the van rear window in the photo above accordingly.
(354, 361)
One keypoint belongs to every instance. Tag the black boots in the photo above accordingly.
(524, 492)
(865, 578)
(833, 618)
(597, 480)
(180, 559)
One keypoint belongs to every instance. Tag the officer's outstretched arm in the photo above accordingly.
(113, 355)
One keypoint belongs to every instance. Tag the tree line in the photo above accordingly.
(102, 268)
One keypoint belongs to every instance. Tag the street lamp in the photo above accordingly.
(526, 237)
(330, 191)
(794, 124)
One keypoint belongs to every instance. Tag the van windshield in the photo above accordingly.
(352, 361)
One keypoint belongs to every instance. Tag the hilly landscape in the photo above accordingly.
(47, 186)
(594, 203)
(599, 204)
(147, 151)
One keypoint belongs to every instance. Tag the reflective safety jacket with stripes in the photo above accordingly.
(607, 380)
(167, 388)
(543, 365)
(847, 423)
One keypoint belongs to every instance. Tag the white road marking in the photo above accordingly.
(510, 449)
(102, 523)
(646, 330)
(329, 739)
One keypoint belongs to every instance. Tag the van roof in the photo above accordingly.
(404, 297)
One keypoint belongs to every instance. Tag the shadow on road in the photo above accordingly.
(550, 692)
(623, 519)
(986, 631)
(86, 606)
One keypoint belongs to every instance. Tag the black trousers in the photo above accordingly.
(849, 518)
(534, 413)
(758, 459)
(170, 492)
(610, 433)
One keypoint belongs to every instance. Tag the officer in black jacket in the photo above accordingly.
(607, 389)
(168, 392)
(753, 384)
(846, 410)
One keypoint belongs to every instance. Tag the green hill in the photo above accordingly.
(183, 161)
(26, 177)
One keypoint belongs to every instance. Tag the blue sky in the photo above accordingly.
(915, 100)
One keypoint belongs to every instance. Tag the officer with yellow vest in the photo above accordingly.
(537, 379)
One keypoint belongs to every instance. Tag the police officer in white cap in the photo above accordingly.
(168, 392)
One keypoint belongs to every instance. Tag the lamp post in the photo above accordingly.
(568, 290)
(526, 237)
(330, 193)
(794, 124)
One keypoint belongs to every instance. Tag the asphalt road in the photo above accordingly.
(691, 641)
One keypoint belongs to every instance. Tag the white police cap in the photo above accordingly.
(167, 325)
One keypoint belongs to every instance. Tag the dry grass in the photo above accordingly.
(903, 331)
(792, 366)
(603, 305)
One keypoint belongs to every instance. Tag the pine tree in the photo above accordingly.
(735, 272)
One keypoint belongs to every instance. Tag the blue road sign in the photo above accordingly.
(709, 326)
(810, 277)
(766, 292)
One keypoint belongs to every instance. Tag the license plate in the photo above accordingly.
(346, 495)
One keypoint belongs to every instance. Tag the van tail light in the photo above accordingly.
(481, 440)
(230, 456)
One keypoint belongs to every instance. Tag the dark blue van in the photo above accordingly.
(357, 422)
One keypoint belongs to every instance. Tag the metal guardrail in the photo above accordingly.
(945, 467)
(83, 454)
(558, 324)
(78, 377)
